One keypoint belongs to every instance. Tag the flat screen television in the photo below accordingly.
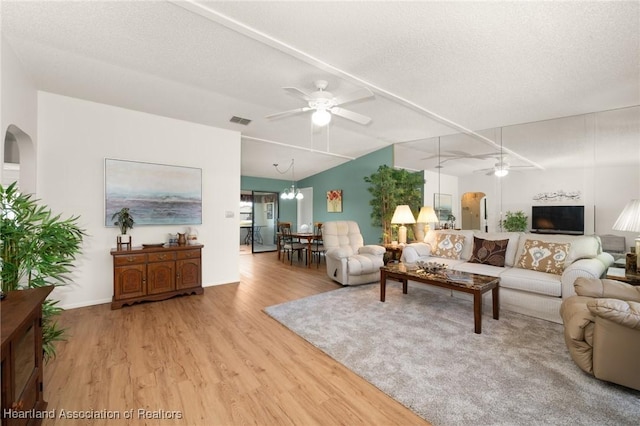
(557, 219)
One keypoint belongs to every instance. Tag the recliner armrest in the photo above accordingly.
(618, 311)
(372, 249)
(605, 288)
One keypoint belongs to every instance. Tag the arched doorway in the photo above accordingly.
(19, 163)
(474, 211)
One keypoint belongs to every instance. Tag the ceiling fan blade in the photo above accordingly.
(487, 171)
(350, 115)
(287, 113)
(298, 93)
(361, 93)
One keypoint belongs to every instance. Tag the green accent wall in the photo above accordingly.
(349, 177)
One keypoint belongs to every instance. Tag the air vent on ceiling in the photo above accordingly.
(240, 120)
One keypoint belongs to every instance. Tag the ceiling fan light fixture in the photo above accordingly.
(321, 117)
(501, 171)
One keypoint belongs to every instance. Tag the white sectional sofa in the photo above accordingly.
(539, 269)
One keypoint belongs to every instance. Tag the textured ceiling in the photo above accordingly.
(435, 68)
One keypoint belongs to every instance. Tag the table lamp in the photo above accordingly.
(401, 216)
(629, 220)
(426, 216)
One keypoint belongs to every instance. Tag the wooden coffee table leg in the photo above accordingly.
(383, 284)
(477, 312)
(496, 302)
(404, 286)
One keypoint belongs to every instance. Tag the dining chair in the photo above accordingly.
(289, 246)
(317, 246)
(279, 236)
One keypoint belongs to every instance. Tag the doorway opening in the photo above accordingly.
(474, 211)
(258, 220)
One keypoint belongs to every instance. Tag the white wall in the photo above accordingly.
(75, 137)
(18, 108)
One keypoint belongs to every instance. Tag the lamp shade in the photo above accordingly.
(403, 215)
(427, 215)
(629, 219)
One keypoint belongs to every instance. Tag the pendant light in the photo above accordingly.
(292, 192)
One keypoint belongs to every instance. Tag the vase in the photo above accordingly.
(182, 239)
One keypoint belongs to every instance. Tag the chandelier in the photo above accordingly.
(292, 192)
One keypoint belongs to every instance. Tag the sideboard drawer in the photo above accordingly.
(129, 259)
(188, 254)
(162, 256)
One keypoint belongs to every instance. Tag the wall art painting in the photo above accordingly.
(442, 204)
(156, 194)
(334, 201)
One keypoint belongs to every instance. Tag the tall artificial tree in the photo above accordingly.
(38, 249)
(390, 188)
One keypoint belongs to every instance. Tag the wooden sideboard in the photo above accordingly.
(22, 356)
(155, 273)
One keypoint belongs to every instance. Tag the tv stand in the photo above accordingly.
(555, 232)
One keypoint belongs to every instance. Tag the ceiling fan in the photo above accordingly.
(325, 104)
(501, 167)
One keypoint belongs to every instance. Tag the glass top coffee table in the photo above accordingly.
(454, 280)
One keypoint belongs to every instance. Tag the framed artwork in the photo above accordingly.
(442, 205)
(269, 210)
(156, 194)
(334, 201)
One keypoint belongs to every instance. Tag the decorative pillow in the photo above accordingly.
(448, 245)
(489, 252)
(544, 256)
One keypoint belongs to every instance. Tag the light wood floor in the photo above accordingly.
(217, 358)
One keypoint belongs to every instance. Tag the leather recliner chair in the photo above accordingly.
(602, 329)
(349, 261)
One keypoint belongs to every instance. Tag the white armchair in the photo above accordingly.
(349, 261)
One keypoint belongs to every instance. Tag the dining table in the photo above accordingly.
(306, 236)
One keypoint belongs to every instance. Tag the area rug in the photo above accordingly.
(421, 350)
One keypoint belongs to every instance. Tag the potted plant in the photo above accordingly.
(515, 221)
(392, 187)
(123, 220)
(38, 249)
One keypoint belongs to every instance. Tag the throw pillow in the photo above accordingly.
(449, 246)
(489, 252)
(544, 256)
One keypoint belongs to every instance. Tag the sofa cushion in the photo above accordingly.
(479, 268)
(489, 252)
(467, 246)
(511, 256)
(544, 256)
(582, 246)
(531, 281)
(448, 246)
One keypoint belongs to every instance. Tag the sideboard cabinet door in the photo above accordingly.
(161, 277)
(130, 281)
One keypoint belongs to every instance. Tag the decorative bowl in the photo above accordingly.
(431, 266)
